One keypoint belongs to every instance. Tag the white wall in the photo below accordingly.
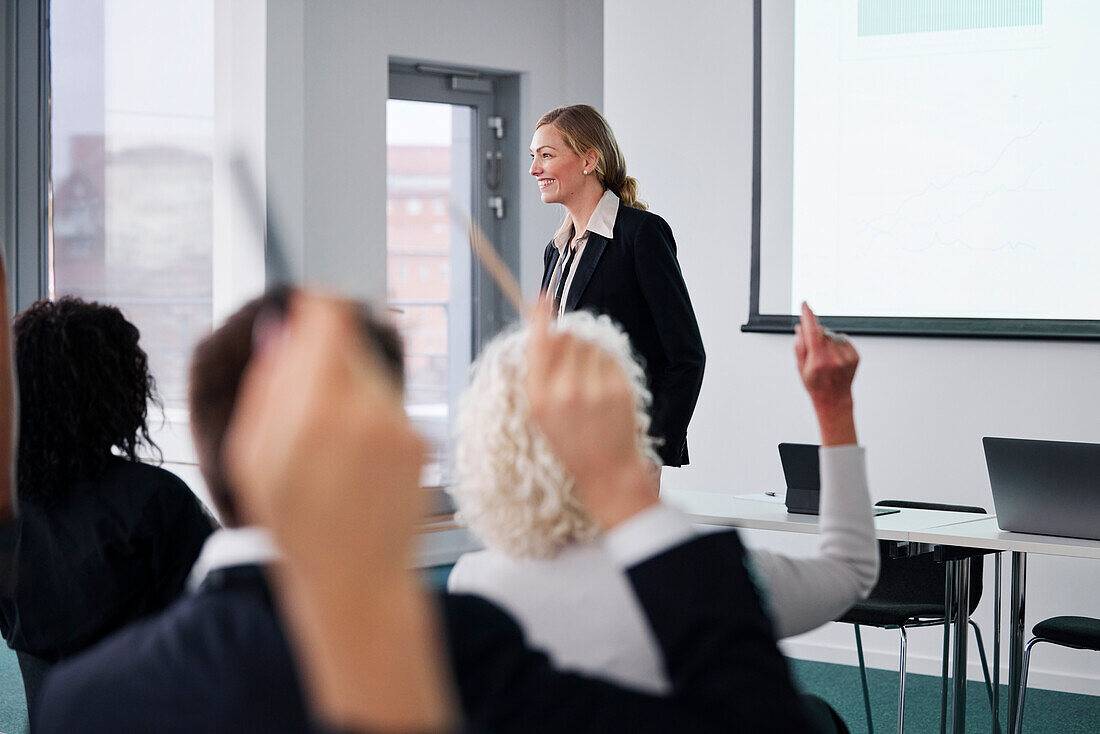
(327, 84)
(327, 89)
(678, 92)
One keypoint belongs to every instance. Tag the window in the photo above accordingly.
(436, 137)
(147, 99)
(144, 105)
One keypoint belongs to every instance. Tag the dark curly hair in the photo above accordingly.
(84, 390)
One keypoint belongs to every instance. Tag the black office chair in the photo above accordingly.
(910, 593)
(1081, 633)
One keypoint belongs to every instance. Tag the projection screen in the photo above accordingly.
(928, 167)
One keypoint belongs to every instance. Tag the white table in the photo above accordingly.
(983, 533)
(759, 512)
(909, 526)
(986, 535)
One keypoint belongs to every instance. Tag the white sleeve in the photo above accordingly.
(651, 532)
(458, 581)
(805, 593)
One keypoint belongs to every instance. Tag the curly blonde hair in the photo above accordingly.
(510, 488)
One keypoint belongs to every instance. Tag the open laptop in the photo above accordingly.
(803, 474)
(1045, 487)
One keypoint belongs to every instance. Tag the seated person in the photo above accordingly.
(322, 455)
(543, 562)
(222, 644)
(103, 539)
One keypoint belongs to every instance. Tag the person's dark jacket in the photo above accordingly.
(107, 552)
(218, 661)
(635, 279)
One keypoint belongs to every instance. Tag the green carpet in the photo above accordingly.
(13, 707)
(1047, 712)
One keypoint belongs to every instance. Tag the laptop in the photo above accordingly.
(1045, 487)
(802, 471)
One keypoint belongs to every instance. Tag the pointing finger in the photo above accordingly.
(812, 332)
(799, 345)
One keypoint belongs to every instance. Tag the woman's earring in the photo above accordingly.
(586, 173)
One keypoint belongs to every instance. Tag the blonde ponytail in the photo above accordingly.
(628, 193)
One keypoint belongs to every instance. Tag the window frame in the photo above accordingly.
(490, 311)
(406, 82)
(24, 187)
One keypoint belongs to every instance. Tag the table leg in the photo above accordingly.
(1016, 622)
(948, 601)
(962, 618)
(996, 642)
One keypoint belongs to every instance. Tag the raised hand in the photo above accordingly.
(827, 364)
(581, 401)
(321, 453)
(316, 410)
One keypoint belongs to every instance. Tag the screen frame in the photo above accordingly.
(1080, 330)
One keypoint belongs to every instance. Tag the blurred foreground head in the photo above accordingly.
(511, 489)
(217, 365)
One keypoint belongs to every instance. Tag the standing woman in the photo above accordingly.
(613, 257)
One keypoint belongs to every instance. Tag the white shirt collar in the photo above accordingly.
(602, 221)
(232, 547)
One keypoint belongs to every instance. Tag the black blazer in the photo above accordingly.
(723, 665)
(635, 279)
(215, 661)
(218, 661)
(109, 551)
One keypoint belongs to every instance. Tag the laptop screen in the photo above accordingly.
(1045, 487)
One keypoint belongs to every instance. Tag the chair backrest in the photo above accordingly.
(921, 579)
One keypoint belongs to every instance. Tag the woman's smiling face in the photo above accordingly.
(558, 170)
